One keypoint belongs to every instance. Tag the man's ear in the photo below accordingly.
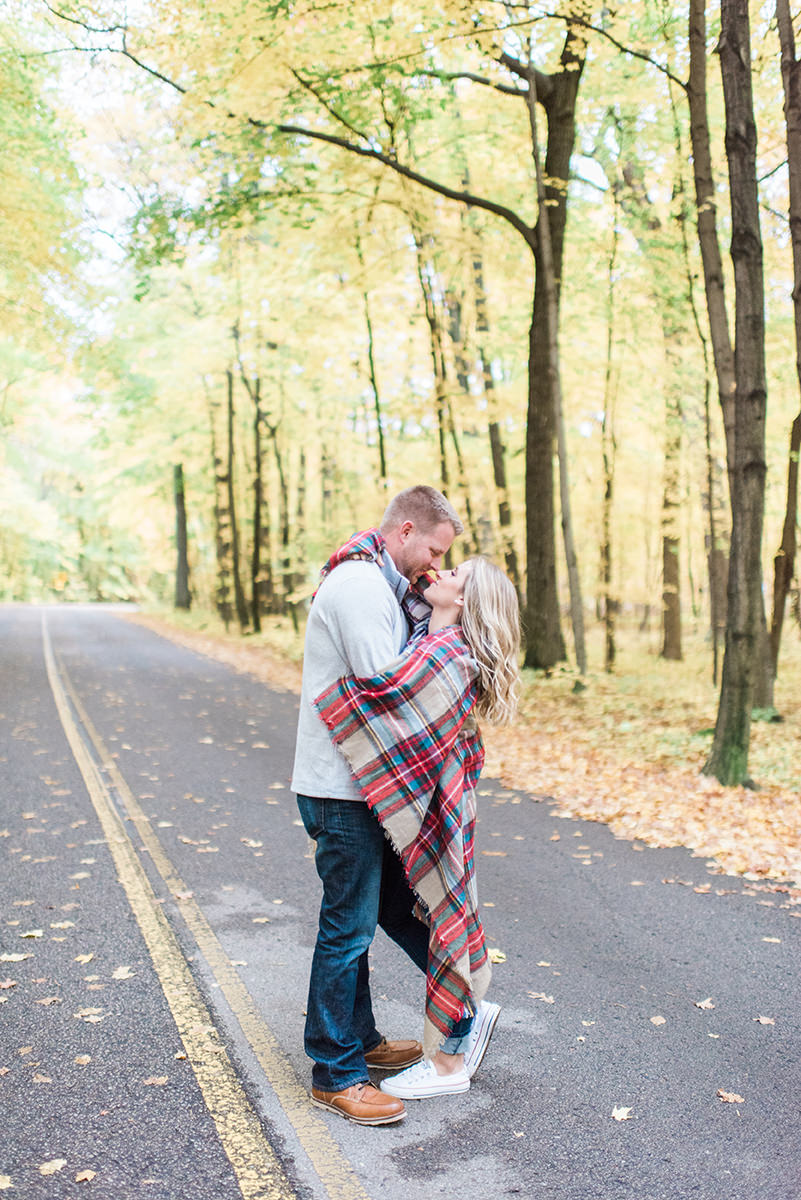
(407, 527)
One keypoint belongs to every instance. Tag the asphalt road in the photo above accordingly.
(157, 917)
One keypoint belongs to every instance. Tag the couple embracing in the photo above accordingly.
(388, 756)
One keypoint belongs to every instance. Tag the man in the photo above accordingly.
(359, 621)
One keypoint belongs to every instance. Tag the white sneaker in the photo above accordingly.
(422, 1080)
(480, 1035)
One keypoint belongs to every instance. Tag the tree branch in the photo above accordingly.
(473, 78)
(442, 189)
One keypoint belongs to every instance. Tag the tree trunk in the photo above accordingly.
(706, 208)
(300, 523)
(497, 449)
(784, 561)
(728, 760)
(608, 454)
(544, 642)
(671, 575)
(183, 597)
(259, 562)
(371, 368)
(239, 593)
(546, 267)
(222, 527)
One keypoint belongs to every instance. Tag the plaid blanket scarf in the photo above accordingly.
(370, 546)
(414, 748)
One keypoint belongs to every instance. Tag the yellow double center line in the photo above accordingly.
(258, 1171)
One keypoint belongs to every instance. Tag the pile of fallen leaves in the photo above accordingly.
(626, 750)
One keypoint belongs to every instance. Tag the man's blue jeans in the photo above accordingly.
(363, 886)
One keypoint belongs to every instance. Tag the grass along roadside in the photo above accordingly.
(628, 750)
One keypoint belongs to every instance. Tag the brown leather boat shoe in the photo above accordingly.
(361, 1103)
(393, 1056)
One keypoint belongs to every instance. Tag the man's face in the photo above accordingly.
(416, 553)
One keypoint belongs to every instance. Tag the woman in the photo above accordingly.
(411, 739)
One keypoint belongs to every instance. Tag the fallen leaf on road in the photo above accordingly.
(53, 1167)
(541, 996)
(85, 1176)
(122, 973)
(261, 920)
(47, 1000)
(774, 941)
(32, 933)
(14, 957)
(765, 1020)
(82, 1059)
(706, 1004)
(37, 1078)
(155, 1081)
(622, 1114)
(730, 1097)
(83, 958)
(5, 1182)
(496, 956)
(7, 983)
(92, 1015)
(658, 1021)
(62, 924)
(250, 842)
(494, 853)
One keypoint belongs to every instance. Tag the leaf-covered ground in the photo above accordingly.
(628, 750)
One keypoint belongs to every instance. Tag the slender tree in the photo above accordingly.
(728, 760)
(183, 597)
(784, 560)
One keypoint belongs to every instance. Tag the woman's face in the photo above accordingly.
(448, 588)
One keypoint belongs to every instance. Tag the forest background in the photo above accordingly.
(262, 265)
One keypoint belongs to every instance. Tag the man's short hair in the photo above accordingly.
(424, 506)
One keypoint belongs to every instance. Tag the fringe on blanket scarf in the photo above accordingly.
(369, 545)
(414, 748)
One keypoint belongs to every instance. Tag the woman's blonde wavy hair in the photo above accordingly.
(491, 627)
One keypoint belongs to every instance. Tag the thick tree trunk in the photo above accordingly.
(183, 597)
(558, 95)
(547, 268)
(728, 760)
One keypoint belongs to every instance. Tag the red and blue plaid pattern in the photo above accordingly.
(416, 753)
(369, 545)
